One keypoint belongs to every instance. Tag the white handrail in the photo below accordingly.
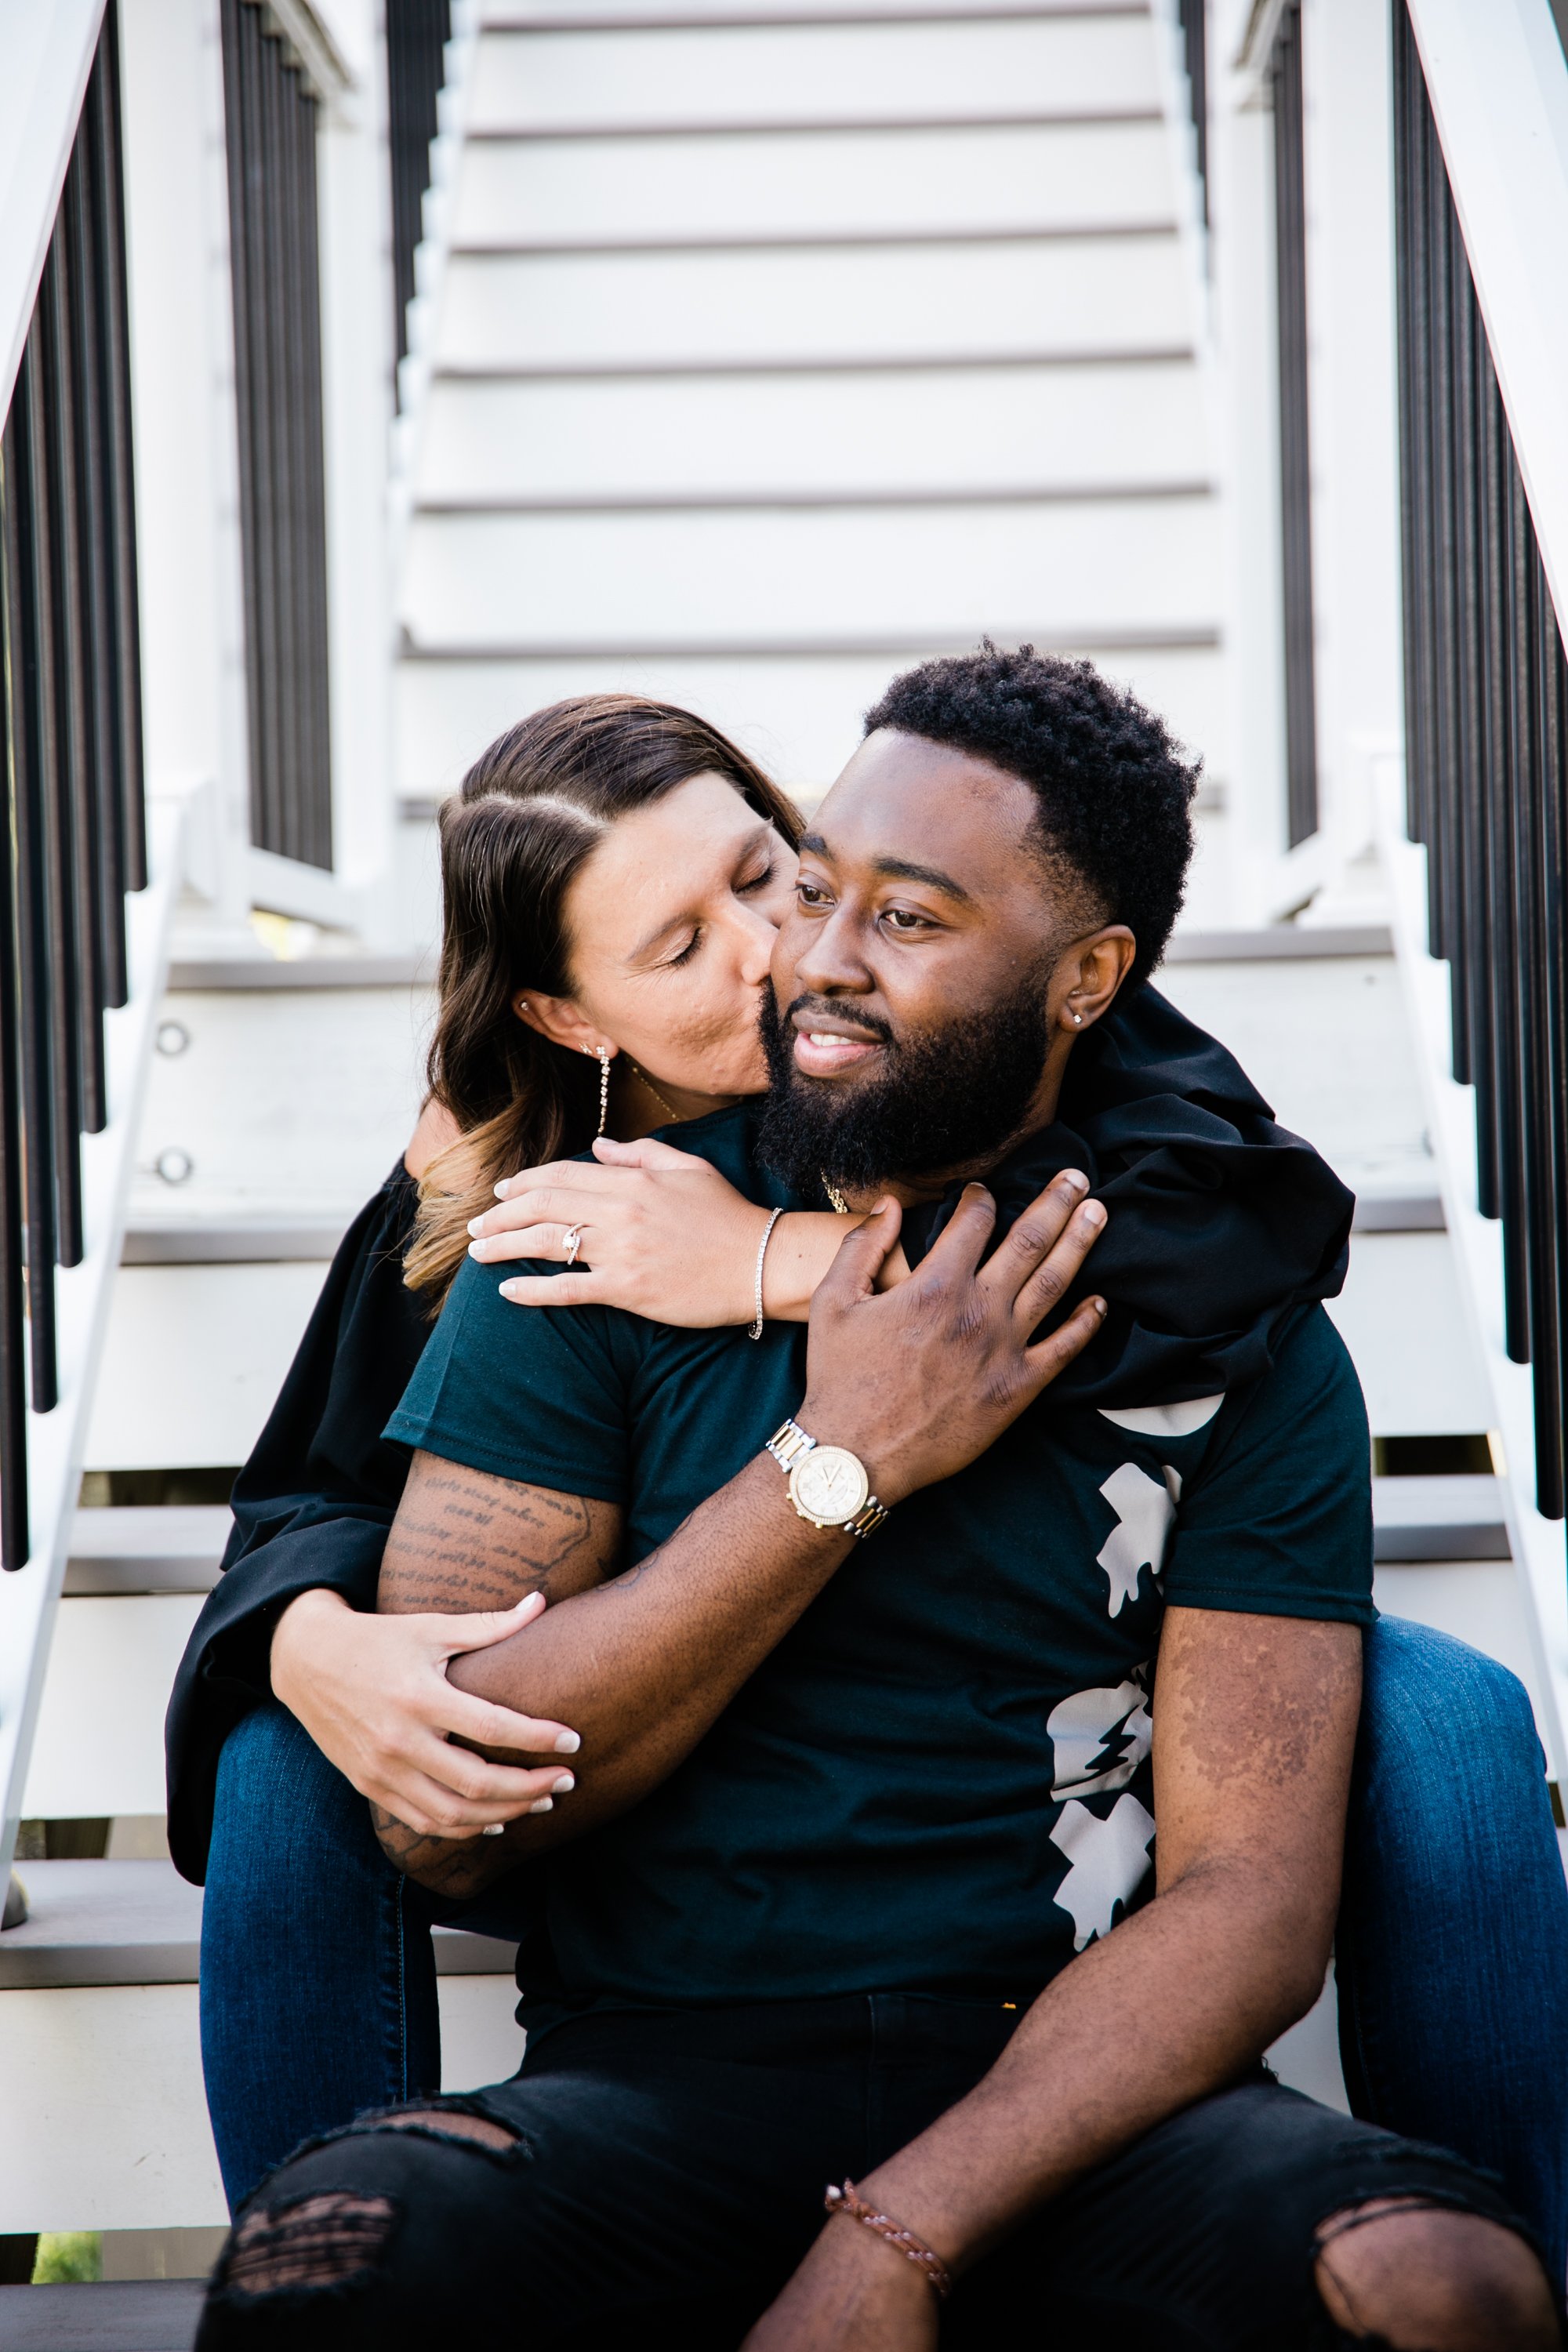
(46, 55)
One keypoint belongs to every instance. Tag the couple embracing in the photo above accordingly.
(790, 1607)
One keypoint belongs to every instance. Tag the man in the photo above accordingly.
(853, 1885)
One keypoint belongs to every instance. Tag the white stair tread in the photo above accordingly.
(762, 576)
(1080, 430)
(1430, 1519)
(1009, 300)
(132, 1547)
(117, 1923)
(801, 184)
(733, 77)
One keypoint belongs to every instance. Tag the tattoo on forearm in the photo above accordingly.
(462, 1541)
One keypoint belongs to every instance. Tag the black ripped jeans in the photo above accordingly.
(663, 2174)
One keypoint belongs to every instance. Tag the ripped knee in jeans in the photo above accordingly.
(319, 2241)
(327, 2238)
(449, 2123)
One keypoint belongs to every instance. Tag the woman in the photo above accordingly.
(612, 873)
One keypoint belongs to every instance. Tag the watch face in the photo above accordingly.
(830, 1485)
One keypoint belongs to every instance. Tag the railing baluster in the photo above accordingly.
(418, 32)
(15, 1542)
(1295, 450)
(118, 493)
(271, 120)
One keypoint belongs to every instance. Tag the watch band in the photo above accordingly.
(788, 1443)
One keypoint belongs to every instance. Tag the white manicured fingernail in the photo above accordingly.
(568, 1744)
(567, 1780)
(543, 1805)
(474, 1224)
(492, 1828)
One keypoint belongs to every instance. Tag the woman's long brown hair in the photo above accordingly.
(530, 811)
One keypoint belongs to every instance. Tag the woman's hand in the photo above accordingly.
(373, 1693)
(663, 1233)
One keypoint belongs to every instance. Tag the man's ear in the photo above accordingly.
(558, 1019)
(1084, 984)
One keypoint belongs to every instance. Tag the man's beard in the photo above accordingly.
(945, 1098)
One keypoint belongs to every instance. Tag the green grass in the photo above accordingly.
(67, 2258)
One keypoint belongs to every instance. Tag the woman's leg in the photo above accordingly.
(317, 1985)
(1452, 1953)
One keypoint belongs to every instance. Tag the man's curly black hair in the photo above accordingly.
(1115, 796)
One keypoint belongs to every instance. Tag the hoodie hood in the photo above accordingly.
(1222, 1224)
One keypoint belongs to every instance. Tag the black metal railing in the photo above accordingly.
(74, 839)
(1295, 444)
(418, 32)
(1486, 699)
(1193, 20)
(269, 111)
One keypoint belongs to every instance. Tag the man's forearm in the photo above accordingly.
(1178, 2002)
(641, 1666)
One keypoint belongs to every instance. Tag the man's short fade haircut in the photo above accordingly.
(1115, 796)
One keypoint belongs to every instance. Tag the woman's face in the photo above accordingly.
(672, 924)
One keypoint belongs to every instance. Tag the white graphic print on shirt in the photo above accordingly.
(1144, 1512)
(1099, 1738)
(1109, 1859)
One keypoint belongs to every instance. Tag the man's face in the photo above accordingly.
(910, 1031)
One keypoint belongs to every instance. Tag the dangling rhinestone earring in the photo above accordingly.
(604, 1083)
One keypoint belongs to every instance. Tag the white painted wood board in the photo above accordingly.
(105, 2124)
(762, 576)
(732, 76)
(1008, 299)
(99, 1745)
(194, 1357)
(929, 429)
(799, 715)
(810, 183)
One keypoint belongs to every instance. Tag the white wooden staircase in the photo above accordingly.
(760, 351)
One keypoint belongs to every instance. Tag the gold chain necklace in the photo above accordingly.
(643, 1078)
(836, 1197)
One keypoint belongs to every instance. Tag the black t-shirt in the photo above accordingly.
(938, 1781)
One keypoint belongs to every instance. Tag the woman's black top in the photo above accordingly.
(1222, 1224)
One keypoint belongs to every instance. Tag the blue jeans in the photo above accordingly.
(318, 1982)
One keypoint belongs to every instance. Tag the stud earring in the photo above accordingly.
(604, 1083)
(1078, 1020)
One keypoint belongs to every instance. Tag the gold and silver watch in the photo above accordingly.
(827, 1484)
